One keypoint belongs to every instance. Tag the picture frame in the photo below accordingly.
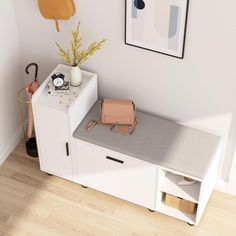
(157, 25)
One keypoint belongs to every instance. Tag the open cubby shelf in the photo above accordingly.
(169, 184)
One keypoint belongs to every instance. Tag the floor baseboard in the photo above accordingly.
(221, 185)
(8, 147)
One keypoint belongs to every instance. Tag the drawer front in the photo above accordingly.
(116, 174)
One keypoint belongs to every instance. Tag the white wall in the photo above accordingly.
(10, 79)
(198, 91)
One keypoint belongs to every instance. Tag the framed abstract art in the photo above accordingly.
(157, 25)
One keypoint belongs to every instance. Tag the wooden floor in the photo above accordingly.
(33, 203)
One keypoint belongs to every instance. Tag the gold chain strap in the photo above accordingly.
(121, 129)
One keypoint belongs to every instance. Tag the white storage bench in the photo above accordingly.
(145, 166)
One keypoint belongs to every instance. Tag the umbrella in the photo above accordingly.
(30, 89)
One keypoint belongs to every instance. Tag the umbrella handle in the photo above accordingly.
(36, 70)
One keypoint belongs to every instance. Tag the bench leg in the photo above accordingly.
(151, 210)
(84, 186)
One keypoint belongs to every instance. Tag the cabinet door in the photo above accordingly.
(53, 142)
(116, 174)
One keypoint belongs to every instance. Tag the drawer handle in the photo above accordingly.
(114, 159)
(67, 149)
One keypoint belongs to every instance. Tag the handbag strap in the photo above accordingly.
(121, 129)
(57, 25)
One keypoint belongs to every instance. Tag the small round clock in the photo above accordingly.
(58, 79)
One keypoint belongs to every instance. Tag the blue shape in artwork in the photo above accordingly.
(134, 11)
(173, 22)
(174, 28)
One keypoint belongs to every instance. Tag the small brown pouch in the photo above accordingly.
(57, 10)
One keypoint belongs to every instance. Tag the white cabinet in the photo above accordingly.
(56, 117)
(141, 182)
(139, 168)
(116, 174)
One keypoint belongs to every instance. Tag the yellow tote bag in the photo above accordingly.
(57, 10)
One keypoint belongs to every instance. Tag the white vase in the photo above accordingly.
(75, 76)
